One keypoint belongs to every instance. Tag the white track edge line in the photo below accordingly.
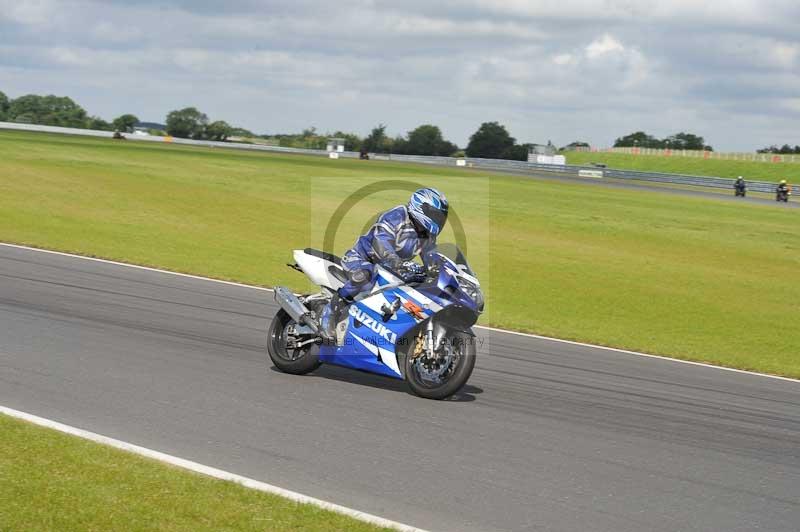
(637, 353)
(207, 470)
(504, 331)
(138, 267)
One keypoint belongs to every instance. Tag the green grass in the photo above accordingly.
(53, 481)
(755, 171)
(694, 278)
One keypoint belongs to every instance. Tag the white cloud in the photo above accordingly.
(542, 67)
(563, 59)
(786, 55)
(603, 46)
(28, 12)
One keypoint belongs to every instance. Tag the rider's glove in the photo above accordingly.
(411, 272)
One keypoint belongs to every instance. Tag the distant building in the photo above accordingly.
(544, 154)
(335, 144)
(145, 127)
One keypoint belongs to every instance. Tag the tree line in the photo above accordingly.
(189, 123)
(491, 140)
(678, 141)
(785, 149)
(60, 111)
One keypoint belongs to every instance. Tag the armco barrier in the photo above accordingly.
(675, 179)
(472, 162)
(171, 140)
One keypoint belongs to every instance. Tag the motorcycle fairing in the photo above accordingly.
(370, 343)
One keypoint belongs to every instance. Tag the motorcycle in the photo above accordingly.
(740, 189)
(782, 195)
(416, 331)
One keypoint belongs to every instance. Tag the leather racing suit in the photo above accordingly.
(391, 241)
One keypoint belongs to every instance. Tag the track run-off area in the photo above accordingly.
(547, 435)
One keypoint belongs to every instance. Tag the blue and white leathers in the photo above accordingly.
(390, 240)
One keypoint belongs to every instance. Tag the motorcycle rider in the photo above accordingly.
(782, 191)
(739, 186)
(398, 235)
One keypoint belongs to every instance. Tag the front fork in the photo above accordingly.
(426, 341)
(429, 340)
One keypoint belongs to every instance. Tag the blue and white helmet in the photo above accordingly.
(428, 208)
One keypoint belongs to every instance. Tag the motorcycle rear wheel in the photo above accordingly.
(295, 361)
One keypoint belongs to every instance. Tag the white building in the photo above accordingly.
(335, 145)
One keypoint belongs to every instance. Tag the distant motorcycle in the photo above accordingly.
(418, 331)
(783, 194)
(740, 189)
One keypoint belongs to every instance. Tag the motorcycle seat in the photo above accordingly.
(323, 255)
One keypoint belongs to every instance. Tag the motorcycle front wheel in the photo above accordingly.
(447, 374)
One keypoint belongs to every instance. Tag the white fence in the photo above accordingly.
(715, 155)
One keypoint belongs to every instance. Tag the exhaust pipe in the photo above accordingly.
(295, 308)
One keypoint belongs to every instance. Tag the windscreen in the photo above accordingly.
(452, 252)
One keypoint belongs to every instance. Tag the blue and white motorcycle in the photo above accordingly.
(419, 332)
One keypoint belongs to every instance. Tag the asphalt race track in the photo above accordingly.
(548, 436)
(650, 186)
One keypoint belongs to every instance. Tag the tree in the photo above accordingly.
(377, 141)
(425, 140)
(574, 145)
(219, 130)
(678, 141)
(490, 141)
(685, 141)
(4, 105)
(97, 123)
(47, 110)
(352, 142)
(242, 132)
(518, 152)
(400, 145)
(125, 123)
(187, 123)
(638, 139)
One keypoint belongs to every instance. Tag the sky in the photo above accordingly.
(563, 70)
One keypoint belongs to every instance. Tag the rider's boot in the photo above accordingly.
(330, 317)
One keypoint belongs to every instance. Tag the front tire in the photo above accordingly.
(295, 361)
(452, 381)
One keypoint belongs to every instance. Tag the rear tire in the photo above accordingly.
(454, 382)
(296, 361)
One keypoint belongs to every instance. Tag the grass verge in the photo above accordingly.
(54, 481)
(694, 278)
(752, 170)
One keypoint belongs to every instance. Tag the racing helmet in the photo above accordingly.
(428, 209)
(783, 181)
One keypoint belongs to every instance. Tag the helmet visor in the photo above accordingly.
(438, 216)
